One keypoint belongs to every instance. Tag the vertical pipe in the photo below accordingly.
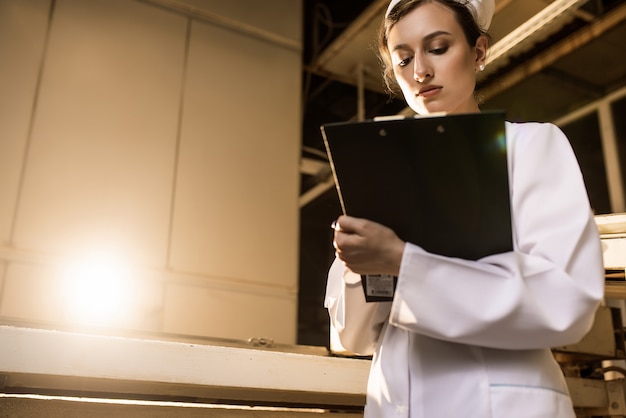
(611, 153)
(360, 85)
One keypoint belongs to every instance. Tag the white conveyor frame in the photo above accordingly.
(45, 361)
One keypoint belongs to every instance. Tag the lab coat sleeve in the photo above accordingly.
(545, 292)
(358, 323)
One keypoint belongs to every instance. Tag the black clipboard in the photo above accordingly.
(440, 182)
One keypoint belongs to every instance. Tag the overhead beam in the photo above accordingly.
(534, 28)
(548, 57)
(572, 82)
(373, 11)
(315, 192)
(313, 167)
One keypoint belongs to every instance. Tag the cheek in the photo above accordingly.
(404, 80)
(398, 75)
(461, 72)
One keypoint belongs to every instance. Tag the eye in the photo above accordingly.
(404, 62)
(439, 51)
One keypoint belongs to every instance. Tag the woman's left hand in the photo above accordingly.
(367, 247)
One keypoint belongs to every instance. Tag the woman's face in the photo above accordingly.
(432, 61)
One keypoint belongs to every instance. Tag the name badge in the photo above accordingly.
(379, 287)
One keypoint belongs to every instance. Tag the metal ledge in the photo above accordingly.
(53, 362)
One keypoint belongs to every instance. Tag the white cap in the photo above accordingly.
(482, 10)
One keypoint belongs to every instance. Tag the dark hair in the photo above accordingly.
(462, 13)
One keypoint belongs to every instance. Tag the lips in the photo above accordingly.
(428, 91)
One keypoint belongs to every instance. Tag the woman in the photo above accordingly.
(466, 338)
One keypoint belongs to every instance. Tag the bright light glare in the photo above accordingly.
(99, 290)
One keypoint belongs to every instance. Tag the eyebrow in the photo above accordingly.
(426, 39)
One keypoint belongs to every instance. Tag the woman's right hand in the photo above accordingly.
(367, 247)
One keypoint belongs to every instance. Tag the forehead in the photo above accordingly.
(422, 21)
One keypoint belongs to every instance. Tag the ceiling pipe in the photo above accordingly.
(360, 87)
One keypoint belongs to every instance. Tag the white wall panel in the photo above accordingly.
(236, 204)
(101, 162)
(29, 294)
(211, 311)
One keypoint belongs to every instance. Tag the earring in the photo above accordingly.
(481, 67)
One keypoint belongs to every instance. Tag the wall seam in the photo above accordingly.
(29, 135)
(176, 160)
(20, 183)
(226, 23)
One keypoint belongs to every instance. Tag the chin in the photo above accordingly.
(418, 107)
(427, 110)
(421, 107)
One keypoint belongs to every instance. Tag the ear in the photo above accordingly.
(481, 48)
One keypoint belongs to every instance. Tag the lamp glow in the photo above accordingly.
(99, 290)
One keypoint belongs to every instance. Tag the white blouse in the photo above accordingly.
(472, 339)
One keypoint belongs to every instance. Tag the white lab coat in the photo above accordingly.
(472, 339)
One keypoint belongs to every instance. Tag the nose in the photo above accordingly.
(422, 69)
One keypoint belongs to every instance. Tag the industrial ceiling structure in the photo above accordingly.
(547, 59)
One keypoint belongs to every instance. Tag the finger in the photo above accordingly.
(349, 224)
(342, 242)
(348, 244)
